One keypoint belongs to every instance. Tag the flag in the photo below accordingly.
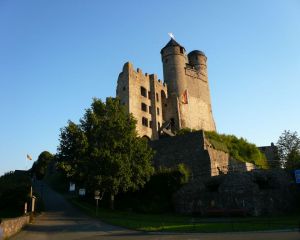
(184, 97)
(28, 157)
(171, 35)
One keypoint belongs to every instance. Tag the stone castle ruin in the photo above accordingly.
(182, 101)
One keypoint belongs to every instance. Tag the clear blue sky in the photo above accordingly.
(55, 56)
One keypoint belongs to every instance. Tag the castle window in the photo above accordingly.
(166, 60)
(124, 88)
(143, 92)
(157, 111)
(150, 109)
(181, 50)
(150, 124)
(158, 124)
(145, 122)
(149, 96)
(157, 98)
(144, 107)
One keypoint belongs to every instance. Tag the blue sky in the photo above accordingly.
(55, 56)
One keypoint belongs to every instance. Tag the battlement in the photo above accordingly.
(129, 68)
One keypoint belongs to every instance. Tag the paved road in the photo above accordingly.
(62, 222)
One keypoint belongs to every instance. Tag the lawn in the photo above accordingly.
(179, 223)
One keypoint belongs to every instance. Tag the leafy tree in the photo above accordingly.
(14, 191)
(39, 167)
(72, 152)
(157, 194)
(104, 151)
(288, 146)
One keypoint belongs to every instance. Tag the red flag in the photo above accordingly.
(184, 97)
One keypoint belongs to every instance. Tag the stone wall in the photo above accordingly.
(182, 99)
(187, 149)
(13, 225)
(271, 153)
(197, 154)
(254, 193)
(129, 86)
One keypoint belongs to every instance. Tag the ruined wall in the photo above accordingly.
(13, 225)
(197, 154)
(187, 149)
(271, 153)
(146, 104)
(255, 193)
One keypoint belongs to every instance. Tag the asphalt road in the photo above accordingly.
(62, 222)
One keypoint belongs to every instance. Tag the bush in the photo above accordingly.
(14, 192)
(156, 196)
(238, 148)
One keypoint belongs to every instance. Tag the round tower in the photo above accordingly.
(174, 60)
(198, 60)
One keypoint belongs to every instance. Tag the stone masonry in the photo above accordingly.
(13, 225)
(197, 154)
(181, 101)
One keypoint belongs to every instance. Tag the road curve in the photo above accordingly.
(61, 221)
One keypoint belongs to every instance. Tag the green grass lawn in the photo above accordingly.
(179, 223)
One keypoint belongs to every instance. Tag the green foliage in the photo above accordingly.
(14, 192)
(39, 167)
(157, 194)
(288, 146)
(103, 152)
(238, 148)
(184, 131)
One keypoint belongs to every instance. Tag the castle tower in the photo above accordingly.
(174, 60)
(182, 101)
(188, 104)
(198, 60)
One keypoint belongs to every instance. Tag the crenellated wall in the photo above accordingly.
(129, 86)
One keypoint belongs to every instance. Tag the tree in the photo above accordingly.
(72, 152)
(39, 167)
(289, 149)
(104, 151)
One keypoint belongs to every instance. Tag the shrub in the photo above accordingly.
(14, 192)
(157, 194)
(238, 148)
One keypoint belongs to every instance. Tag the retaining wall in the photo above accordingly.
(13, 225)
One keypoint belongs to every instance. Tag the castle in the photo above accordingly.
(181, 101)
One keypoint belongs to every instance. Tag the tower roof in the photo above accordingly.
(197, 52)
(172, 43)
